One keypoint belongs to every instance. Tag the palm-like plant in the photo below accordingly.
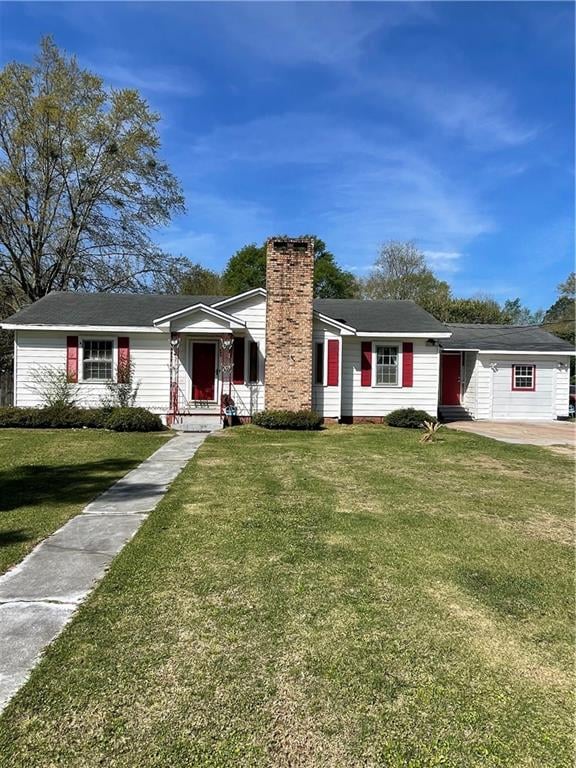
(431, 429)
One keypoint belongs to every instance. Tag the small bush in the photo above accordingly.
(133, 420)
(122, 392)
(54, 387)
(409, 418)
(304, 420)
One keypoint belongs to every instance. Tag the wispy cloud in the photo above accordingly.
(480, 114)
(292, 34)
(171, 81)
(356, 188)
(218, 226)
(444, 261)
(475, 112)
(118, 70)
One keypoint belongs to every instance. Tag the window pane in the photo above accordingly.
(523, 376)
(97, 359)
(97, 370)
(386, 365)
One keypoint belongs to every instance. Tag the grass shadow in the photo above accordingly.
(33, 484)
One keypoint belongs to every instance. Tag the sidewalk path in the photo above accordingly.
(39, 595)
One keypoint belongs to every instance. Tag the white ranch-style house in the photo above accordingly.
(350, 360)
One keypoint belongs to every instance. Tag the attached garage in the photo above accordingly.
(526, 389)
(505, 373)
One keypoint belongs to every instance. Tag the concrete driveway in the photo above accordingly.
(524, 432)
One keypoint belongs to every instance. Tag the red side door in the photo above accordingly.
(203, 370)
(450, 394)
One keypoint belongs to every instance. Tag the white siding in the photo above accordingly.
(562, 387)
(326, 400)
(199, 322)
(378, 401)
(497, 399)
(150, 353)
(249, 397)
(469, 382)
(483, 373)
(34, 349)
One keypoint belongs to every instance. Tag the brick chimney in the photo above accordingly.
(290, 294)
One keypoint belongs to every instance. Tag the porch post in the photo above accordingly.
(174, 372)
(226, 367)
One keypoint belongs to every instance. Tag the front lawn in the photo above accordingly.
(47, 476)
(335, 599)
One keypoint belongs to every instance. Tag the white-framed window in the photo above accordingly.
(387, 365)
(97, 359)
(524, 378)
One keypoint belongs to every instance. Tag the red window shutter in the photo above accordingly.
(407, 364)
(366, 367)
(123, 359)
(333, 363)
(238, 357)
(72, 358)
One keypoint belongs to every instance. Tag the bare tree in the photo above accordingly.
(81, 183)
(400, 272)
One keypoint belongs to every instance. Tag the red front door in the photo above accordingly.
(203, 370)
(450, 379)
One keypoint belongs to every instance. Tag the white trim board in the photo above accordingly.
(208, 310)
(402, 335)
(114, 329)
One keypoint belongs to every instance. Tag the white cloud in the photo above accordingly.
(354, 188)
(291, 34)
(481, 114)
(117, 71)
(216, 227)
(443, 261)
(476, 112)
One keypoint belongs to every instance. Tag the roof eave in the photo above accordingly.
(208, 310)
(78, 328)
(240, 296)
(344, 328)
(403, 335)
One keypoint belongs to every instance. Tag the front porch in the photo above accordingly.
(210, 379)
(457, 401)
(215, 366)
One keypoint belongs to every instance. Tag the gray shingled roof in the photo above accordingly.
(117, 310)
(110, 309)
(388, 316)
(503, 338)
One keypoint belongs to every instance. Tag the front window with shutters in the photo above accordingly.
(97, 359)
(386, 365)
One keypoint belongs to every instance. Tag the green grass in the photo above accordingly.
(47, 476)
(345, 598)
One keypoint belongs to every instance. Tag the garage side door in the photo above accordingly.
(509, 402)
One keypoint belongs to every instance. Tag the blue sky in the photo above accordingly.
(451, 124)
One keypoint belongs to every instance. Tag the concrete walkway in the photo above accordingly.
(522, 432)
(39, 595)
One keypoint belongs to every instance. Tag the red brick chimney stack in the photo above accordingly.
(289, 307)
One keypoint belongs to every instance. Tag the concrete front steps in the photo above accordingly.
(197, 422)
(454, 413)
